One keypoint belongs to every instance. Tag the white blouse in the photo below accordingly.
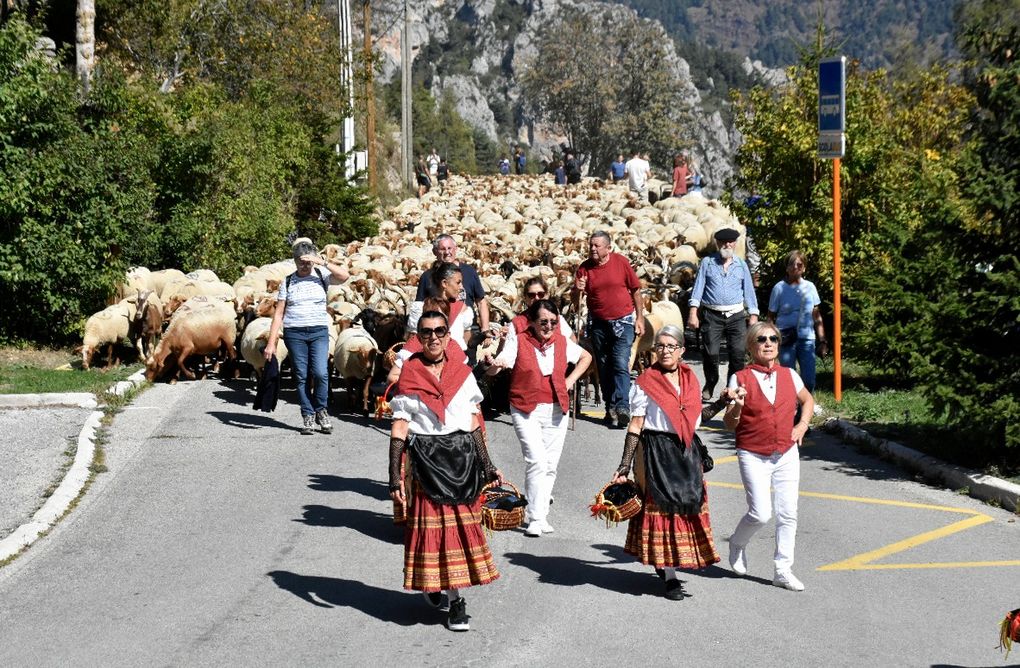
(421, 420)
(767, 383)
(545, 359)
(655, 417)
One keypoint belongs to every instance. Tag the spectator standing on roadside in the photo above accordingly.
(560, 174)
(442, 174)
(573, 169)
(618, 170)
(504, 166)
(724, 293)
(681, 174)
(614, 318)
(793, 307)
(638, 172)
(433, 162)
(520, 162)
(421, 172)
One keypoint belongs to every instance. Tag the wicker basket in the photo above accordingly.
(497, 519)
(617, 512)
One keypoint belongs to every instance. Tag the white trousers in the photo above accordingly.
(770, 482)
(541, 433)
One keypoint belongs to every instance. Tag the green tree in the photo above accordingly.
(606, 79)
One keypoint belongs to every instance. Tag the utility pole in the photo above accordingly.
(369, 97)
(406, 128)
(343, 10)
(85, 42)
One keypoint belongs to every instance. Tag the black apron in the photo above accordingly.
(673, 473)
(447, 467)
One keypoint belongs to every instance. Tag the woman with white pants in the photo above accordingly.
(763, 402)
(539, 402)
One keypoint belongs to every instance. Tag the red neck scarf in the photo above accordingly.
(436, 393)
(764, 369)
(683, 410)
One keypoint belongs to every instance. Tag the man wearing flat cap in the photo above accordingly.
(724, 294)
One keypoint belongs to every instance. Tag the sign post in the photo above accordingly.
(832, 144)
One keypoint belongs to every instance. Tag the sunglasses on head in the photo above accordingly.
(426, 333)
(537, 295)
(771, 337)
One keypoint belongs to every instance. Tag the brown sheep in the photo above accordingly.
(201, 332)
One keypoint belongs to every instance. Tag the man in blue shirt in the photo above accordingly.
(618, 169)
(724, 292)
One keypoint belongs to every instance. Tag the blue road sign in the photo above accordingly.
(832, 95)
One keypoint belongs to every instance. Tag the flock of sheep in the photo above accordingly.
(508, 228)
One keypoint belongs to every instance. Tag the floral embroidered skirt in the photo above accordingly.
(666, 540)
(445, 546)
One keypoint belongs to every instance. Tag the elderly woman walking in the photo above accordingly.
(672, 530)
(435, 419)
(763, 402)
(301, 313)
(539, 401)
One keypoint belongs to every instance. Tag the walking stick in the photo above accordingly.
(575, 397)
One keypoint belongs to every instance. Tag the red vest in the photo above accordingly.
(528, 387)
(519, 323)
(764, 428)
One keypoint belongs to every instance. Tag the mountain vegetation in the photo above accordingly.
(930, 281)
(879, 33)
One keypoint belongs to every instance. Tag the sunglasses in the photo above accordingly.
(771, 337)
(546, 322)
(667, 347)
(537, 295)
(426, 333)
(797, 265)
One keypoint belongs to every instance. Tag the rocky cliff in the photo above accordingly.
(474, 49)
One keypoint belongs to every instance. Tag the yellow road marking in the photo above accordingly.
(865, 560)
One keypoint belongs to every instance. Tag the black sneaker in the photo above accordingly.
(622, 419)
(307, 425)
(675, 590)
(458, 618)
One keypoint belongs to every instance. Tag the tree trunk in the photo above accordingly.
(85, 42)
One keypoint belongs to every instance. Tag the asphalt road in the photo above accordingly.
(221, 536)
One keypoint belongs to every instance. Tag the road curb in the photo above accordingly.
(979, 485)
(77, 476)
(71, 399)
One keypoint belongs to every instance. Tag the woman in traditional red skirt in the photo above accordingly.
(672, 530)
(435, 418)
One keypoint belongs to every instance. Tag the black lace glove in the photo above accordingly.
(483, 453)
(630, 443)
(397, 446)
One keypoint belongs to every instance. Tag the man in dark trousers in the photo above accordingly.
(614, 318)
(724, 294)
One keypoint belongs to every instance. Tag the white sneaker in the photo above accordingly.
(547, 528)
(534, 529)
(738, 560)
(788, 581)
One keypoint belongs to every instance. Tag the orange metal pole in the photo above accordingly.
(837, 325)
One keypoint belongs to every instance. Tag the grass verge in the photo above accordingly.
(885, 406)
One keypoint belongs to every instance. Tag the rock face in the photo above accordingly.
(481, 73)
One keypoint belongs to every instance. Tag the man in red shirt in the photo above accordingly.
(614, 318)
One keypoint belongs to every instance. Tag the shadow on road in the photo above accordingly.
(372, 524)
(373, 489)
(385, 605)
(571, 572)
(250, 420)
